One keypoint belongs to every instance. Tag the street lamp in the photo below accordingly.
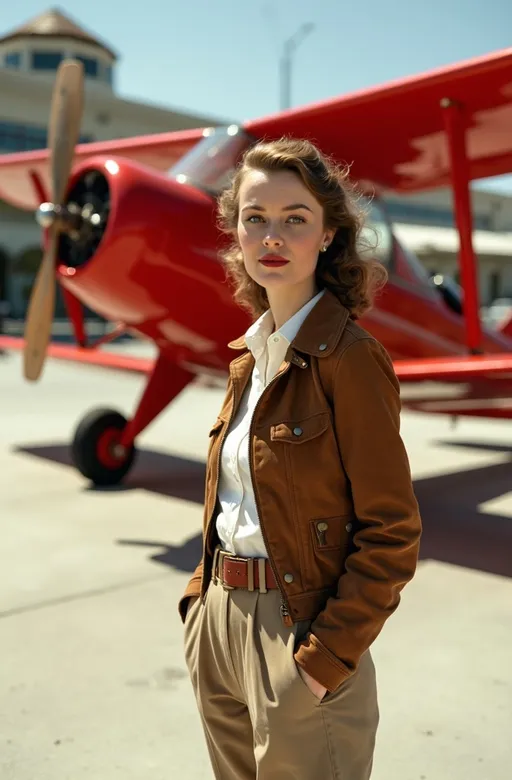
(289, 49)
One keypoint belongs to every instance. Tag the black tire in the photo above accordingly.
(85, 446)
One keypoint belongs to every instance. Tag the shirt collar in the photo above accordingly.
(257, 336)
(321, 332)
(292, 326)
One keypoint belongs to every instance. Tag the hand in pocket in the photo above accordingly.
(315, 687)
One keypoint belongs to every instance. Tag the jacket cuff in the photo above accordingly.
(193, 589)
(312, 656)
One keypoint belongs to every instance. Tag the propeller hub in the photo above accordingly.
(46, 214)
(68, 218)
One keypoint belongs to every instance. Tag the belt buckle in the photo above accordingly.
(222, 557)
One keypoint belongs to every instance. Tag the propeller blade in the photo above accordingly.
(38, 324)
(64, 125)
(63, 133)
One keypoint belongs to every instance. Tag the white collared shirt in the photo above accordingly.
(238, 524)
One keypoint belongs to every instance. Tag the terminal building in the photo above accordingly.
(29, 57)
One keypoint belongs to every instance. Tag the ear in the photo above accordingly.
(328, 237)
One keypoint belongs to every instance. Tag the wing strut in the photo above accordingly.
(455, 125)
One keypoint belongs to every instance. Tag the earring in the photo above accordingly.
(324, 249)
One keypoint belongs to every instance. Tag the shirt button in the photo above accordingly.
(275, 339)
(297, 431)
(348, 527)
(288, 577)
(322, 347)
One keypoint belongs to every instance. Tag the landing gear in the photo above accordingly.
(103, 447)
(96, 449)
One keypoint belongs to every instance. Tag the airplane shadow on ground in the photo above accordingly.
(156, 472)
(456, 529)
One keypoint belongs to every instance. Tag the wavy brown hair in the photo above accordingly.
(346, 268)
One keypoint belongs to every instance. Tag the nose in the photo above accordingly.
(273, 241)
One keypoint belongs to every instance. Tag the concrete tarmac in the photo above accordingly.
(93, 682)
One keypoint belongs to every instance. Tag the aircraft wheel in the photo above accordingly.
(94, 447)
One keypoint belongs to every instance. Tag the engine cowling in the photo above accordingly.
(149, 255)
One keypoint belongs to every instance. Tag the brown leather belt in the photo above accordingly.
(249, 573)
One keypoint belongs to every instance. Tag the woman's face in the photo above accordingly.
(280, 229)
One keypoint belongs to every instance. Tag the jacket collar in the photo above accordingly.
(321, 331)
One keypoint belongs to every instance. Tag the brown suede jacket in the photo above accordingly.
(332, 485)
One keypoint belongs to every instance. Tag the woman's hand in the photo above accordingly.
(316, 689)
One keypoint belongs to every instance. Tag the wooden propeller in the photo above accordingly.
(63, 134)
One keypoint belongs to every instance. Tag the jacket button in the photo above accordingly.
(348, 527)
(322, 347)
(288, 577)
(297, 431)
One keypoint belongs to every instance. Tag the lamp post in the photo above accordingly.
(289, 49)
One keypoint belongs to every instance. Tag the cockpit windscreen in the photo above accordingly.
(211, 163)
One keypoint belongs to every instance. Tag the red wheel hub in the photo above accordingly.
(106, 448)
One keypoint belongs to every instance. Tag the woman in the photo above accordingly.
(311, 524)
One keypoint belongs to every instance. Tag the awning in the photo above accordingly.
(428, 238)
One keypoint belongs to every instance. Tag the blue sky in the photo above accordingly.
(220, 58)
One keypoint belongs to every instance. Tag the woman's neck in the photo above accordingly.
(286, 301)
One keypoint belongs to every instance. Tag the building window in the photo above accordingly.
(20, 138)
(13, 59)
(23, 138)
(90, 66)
(46, 60)
(109, 74)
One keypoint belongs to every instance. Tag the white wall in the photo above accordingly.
(26, 98)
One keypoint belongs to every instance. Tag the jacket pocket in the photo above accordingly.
(300, 431)
(329, 539)
(330, 533)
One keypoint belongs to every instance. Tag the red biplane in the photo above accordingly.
(130, 232)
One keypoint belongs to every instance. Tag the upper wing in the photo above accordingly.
(158, 151)
(393, 135)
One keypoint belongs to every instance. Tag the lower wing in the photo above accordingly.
(88, 356)
(472, 386)
(475, 386)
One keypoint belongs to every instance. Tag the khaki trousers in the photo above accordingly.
(259, 717)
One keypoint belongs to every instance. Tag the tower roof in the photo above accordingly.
(55, 24)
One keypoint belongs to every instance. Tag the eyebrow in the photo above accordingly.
(292, 207)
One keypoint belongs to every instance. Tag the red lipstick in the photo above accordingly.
(273, 261)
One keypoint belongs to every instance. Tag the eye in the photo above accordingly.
(254, 219)
(296, 219)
